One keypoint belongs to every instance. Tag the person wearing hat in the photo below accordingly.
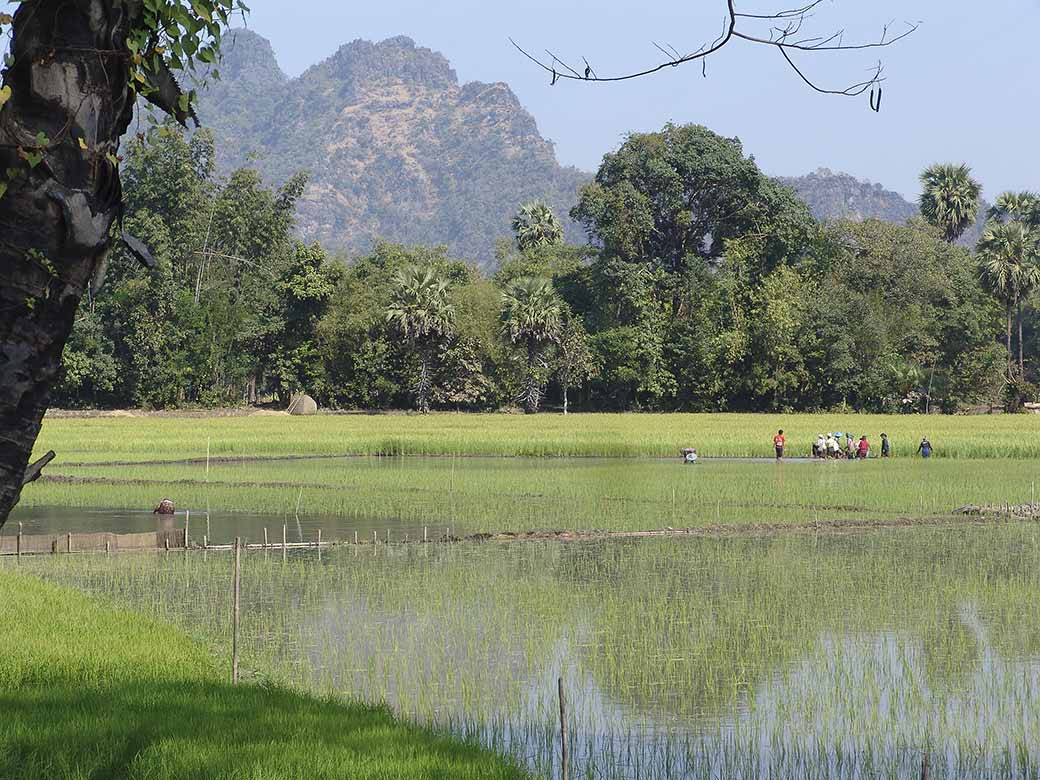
(886, 449)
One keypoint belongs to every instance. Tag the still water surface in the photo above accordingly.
(792, 655)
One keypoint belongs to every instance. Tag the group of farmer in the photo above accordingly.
(845, 446)
(831, 447)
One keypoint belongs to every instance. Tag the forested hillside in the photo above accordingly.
(396, 148)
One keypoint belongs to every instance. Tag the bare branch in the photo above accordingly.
(783, 36)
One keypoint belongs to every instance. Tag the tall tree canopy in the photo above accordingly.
(535, 225)
(950, 198)
(421, 310)
(672, 198)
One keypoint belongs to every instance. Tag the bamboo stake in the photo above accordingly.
(564, 767)
(925, 768)
(68, 542)
(285, 531)
(265, 537)
(187, 517)
(18, 542)
(237, 608)
(355, 537)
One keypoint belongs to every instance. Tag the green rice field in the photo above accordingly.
(885, 630)
(149, 438)
(829, 656)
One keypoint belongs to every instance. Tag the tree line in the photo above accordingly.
(704, 286)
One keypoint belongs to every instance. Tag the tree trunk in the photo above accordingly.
(422, 391)
(564, 397)
(69, 82)
(532, 393)
(1021, 351)
(1010, 352)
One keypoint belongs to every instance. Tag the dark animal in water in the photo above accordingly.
(165, 507)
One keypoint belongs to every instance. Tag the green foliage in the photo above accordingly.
(707, 288)
(535, 225)
(949, 198)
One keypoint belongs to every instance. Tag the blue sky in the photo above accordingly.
(960, 89)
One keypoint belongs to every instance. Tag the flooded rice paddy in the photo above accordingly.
(830, 655)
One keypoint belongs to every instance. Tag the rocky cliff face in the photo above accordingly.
(832, 195)
(395, 146)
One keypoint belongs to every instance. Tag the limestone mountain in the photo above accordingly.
(396, 148)
(834, 195)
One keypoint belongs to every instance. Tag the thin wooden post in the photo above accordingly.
(925, 768)
(564, 762)
(108, 546)
(355, 537)
(319, 537)
(388, 536)
(68, 542)
(237, 610)
(205, 542)
(265, 537)
(375, 537)
(166, 542)
(18, 542)
(425, 537)
(187, 518)
(285, 553)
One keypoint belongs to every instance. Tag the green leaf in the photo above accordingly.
(5, 95)
(3, 188)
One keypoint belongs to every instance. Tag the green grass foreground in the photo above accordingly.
(87, 691)
(139, 439)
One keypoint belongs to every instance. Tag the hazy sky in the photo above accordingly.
(959, 89)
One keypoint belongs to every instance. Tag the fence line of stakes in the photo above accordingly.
(236, 609)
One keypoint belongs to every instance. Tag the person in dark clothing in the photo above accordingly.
(886, 449)
(925, 447)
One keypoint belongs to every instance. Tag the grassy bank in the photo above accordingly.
(88, 692)
(608, 435)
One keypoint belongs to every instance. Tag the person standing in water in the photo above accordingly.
(886, 449)
(925, 447)
(778, 442)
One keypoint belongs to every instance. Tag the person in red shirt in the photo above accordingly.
(864, 448)
(779, 441)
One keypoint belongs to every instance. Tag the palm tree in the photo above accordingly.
(950, 199)
(531, 317)
(536, 225)
(1008, 257)
(1016, 207)
(421, 311)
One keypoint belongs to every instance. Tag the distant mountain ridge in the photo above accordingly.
(831, 195)
(397, 149)
(395, 146)
(834, 195)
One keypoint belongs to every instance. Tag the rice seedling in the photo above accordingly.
(608, 435)
(820, 656)
(469, 495)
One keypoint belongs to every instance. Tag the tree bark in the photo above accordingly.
(1010, 352)
(532, 394)
(1021, 351)
(69, 81)
(565, 398)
